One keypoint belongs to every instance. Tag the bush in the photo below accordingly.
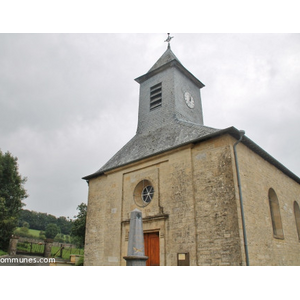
(42, 235)
(3, 252)
(26, 225)
(80, 261)
(51, 231)
(23, 232)
(59, 238)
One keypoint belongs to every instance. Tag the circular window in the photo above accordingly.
(143, 193)
(147, 194)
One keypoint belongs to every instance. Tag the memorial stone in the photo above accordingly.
(136, 252)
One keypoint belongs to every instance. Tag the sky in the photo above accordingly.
(69, 102)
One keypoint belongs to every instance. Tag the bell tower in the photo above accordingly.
(170, 112)
(168, 93)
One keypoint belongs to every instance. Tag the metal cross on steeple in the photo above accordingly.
(169, 40)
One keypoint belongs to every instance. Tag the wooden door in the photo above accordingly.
(151, 243)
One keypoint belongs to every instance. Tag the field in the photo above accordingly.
(64, 253)
(55, 251)
(33, 232)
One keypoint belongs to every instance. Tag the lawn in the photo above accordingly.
(33, 232)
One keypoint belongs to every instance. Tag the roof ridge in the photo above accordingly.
(167, 56)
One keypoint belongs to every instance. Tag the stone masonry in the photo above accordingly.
(195, 208)
(195, 211)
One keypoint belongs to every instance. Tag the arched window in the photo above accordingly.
(275, 215)
(297, 217)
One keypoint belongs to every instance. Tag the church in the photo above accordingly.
(208, 197)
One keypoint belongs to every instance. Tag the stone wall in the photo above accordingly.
(216, 204)
(37, 241)
(257, 177)
(178, 203)
(195, 208)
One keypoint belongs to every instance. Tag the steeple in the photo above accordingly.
(168, 56)
(169, 59)
(168, 93)
(170, 112)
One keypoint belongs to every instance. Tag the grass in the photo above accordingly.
(3, 252)
(55, 251)
(66, 252)
(30, 247)
(33, 232)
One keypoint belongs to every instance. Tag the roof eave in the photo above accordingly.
(230, 130)
(172, 63)
(208, 136)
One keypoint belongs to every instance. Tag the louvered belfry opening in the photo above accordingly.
(155, 96)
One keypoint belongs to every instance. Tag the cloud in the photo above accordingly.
(69, 102)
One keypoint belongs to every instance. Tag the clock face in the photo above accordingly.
(189, 100)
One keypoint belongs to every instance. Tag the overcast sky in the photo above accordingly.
(69, 102)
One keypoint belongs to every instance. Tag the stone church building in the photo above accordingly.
(207, 196)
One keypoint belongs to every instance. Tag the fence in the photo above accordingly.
(64, 251)
(31, 248)
(44, 248)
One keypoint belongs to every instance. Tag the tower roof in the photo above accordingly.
(164, 59)
(167, 60)
(177, 133)
(170, 133)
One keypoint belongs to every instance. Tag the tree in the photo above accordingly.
(25, 228)
(12, 192)
(42, 235)
(65, 225)
(39, 221)
(78, 229)
(26, 224)
(51, 231)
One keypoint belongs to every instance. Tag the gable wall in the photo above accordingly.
(193, 208)
(257, 177)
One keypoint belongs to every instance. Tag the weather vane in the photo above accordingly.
(169, 40)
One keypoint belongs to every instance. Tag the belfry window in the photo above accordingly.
(155, 96)
(297, 218)
(275, 215)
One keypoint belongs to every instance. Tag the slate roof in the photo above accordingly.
(177, 134)
(160, 140)
(167, 137)
(167, 56)
(167, 60)
(171, 137)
